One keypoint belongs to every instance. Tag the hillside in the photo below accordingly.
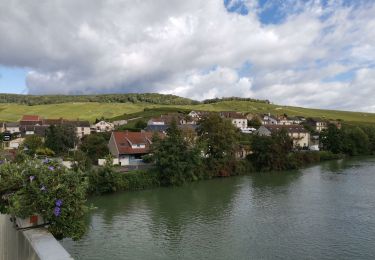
(152, 98)
(92, 110)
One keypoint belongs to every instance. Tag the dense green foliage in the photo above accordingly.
(175, 160)
(219, 140)
(152, 98)
(95, 146)
(48, 189)
(106, 179)
(349, 140)
(271, 153)
(61, 138)
(31, 144)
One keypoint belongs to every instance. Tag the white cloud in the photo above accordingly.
(193, 48)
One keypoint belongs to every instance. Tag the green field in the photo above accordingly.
(90, 111)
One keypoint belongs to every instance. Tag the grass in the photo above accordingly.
(90, 111)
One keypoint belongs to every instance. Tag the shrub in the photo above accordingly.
(48, 189)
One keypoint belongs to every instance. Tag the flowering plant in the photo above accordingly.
(48, 189)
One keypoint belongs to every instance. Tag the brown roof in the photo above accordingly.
(233, 115)
(31, 118)
(125, 140)
(53, 121)
(288, 128)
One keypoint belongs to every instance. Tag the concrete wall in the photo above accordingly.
(33, 244)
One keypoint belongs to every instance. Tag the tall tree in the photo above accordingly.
(95, 146)
(219, 139)
(271, 152)
(61, 138)
(332, 139)
(175, 161)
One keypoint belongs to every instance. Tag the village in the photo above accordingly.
(128, 148)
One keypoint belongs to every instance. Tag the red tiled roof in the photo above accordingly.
(125, 140)
(30, 118)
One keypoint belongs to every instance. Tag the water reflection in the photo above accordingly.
(315, 213)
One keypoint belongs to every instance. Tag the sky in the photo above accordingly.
(311, 53)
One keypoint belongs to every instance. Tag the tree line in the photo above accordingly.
(152, 98)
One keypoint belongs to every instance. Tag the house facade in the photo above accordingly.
(238, 119)
(103, 126)
(12, 127)
(129, 147)
(268, 119)
(120, 122)
(299, 135)
(318, 124)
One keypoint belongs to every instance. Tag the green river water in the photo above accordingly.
(326, 211)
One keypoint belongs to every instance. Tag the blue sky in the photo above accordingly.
(312, 53)
(12, 80)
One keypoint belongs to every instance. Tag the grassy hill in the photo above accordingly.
(91, 110)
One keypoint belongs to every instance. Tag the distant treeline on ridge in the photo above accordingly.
(152, 98)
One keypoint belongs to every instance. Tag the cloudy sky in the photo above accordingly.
(318, 53)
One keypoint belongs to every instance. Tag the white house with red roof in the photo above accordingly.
(129, 147)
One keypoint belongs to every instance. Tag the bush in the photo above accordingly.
(326, 156)
(139, 180)
(48, 189)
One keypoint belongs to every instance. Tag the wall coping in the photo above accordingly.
(45, 245)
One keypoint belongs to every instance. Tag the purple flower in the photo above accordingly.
(59, 203)
(46, 160)
(51, 168)
(57, 211)
(43, 188)
(1, 161)
(31, 178)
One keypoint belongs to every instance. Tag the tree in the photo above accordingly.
(31, 144)
(61, 138)
(95, 146)
(175, 161)
(254, 122)
(140, 124)
(219, 139)
(271, 152)
(356, 141)
(332, 139)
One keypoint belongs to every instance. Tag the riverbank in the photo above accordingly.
(108, 180)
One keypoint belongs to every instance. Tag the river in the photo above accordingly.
(326, 211)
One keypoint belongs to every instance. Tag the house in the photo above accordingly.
(13, 144)
(238, 119)
(82, 127)
(299, 135)
(31, 120)
(129, 147)
(317, 124)
(12, 128)
(103, 126)
(197, 115)
(39, 130)
(180, 119)
(286, 120)
(268, 119)
(157, 128)
(119, 122)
